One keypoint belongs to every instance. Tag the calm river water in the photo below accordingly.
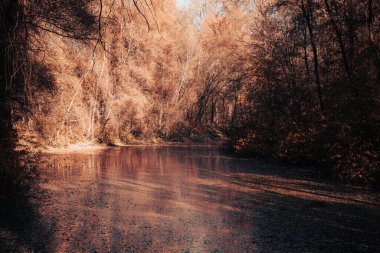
(191, 199)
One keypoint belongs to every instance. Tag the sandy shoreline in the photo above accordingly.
(82, 147)
(93, 147)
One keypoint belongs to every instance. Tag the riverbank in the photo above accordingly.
(93, 147)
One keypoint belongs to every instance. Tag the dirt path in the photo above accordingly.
(172, 199)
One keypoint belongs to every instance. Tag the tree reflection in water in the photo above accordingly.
(178, 199)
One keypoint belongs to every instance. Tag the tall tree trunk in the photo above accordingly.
(342, 47)
(10, 81)
(305, 53)
(308, 15)
(11, 47)
(370, 20)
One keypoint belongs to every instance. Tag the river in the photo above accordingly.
(191, 199)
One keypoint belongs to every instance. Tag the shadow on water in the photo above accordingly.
(303, 225)
(194, 199)
(19, 215)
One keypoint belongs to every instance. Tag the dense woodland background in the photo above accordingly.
(292, 80)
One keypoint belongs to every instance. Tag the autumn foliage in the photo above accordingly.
(293, 80)
(316, 85)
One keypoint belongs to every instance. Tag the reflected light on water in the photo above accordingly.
(193, 199)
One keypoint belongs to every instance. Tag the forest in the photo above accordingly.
(297, 81)
(189, 126)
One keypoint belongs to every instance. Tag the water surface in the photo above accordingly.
(194, 199)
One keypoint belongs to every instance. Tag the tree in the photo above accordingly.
(20, 24)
